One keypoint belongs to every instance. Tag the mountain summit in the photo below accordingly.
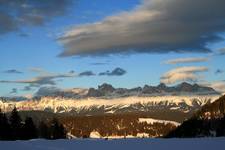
(184, 88)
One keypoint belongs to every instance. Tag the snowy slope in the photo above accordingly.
(151, 121)
(116, 105)
(121, 144)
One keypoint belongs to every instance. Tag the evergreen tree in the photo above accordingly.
(221, 127)
(14, 129)
(5, 132)
(44, 131)
(6, 129)
(1, 124)
(29, 129)
(16, 125)
(62, 132)
(57, 130)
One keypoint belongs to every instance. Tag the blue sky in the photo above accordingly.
(33, 47)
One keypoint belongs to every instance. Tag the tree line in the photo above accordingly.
(12, 127)
(208, 121)
(114, 125)
(196, 127)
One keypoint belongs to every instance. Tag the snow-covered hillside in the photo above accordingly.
(121, 144)
(96, 135)
(151, 121)
(89, 106)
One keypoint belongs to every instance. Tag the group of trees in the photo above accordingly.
(114, 125)
(196, 127)
(200, 127)
(14, 128)
(208, 121)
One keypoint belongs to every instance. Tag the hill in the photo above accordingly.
(208, 121)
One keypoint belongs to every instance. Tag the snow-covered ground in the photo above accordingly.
(122, 144)
(151, 121)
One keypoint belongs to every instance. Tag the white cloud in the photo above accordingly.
(218, 86)
(187, 60)
(182, 74)
(39, 70)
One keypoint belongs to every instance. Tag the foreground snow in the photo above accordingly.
(130, 144)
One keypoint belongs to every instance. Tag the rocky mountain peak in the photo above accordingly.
(162, 86)
(106, 87)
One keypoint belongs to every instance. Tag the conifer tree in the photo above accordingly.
(16, 125)
(6, 129)
(29, 129)
(5, 132)
(62, 132)
(44, 131)
(57, 130)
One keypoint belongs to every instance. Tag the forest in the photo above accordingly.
(12, 127)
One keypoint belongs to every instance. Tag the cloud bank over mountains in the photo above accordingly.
(46, 79)
(217, 85)
(180, 74)
(47, 91)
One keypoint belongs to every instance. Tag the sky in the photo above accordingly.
(82, 43)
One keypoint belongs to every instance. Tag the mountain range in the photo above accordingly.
(148, 111)
(108, 91)
(175, 103)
